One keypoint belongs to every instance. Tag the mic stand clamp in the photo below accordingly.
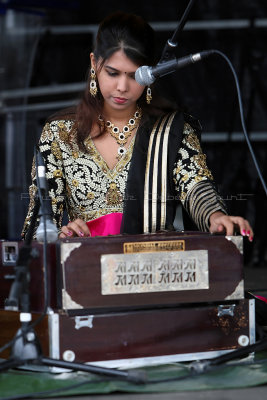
(27, 346)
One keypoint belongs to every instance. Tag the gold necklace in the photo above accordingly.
(121, 137)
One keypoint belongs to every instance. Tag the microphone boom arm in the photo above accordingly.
(172, 43)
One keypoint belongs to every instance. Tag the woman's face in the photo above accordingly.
(116, 81)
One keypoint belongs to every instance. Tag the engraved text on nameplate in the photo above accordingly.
(147, 247)
(154, 272)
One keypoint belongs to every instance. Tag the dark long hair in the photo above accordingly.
(118, 31)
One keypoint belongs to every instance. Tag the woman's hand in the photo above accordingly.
(221, 223)
(75, 228)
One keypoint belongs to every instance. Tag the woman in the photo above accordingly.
(120, 154)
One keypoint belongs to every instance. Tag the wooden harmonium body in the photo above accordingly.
(139, 299)
(137, 271)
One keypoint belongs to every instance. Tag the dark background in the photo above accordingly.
(44, 57)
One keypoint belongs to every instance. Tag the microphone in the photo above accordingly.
(146, 75)
(46, 224)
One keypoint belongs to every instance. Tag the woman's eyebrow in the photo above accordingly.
(113, 69)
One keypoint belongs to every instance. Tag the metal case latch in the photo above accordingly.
(226, 309)
(84, 321)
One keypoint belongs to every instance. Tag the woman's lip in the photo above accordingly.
(120, 100)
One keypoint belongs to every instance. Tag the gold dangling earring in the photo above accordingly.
(93, 87)
(148, 95)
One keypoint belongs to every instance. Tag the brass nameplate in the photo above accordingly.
(154, 272)
(148, 247)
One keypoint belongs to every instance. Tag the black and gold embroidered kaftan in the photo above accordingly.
(82, 183)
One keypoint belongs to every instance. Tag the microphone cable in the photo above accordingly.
(146, 75)
(242, 117)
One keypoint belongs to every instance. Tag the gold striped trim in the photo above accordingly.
(146, 185)
(201, 203)
(155, 178)
(164, 172)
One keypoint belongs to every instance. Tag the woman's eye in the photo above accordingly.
(112, 73)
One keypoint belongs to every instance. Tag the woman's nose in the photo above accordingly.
(122, 84)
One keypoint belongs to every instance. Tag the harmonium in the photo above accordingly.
(133, 300)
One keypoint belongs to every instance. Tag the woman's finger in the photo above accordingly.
(232, 223)
(76, 228)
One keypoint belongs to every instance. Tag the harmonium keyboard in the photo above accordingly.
(131, 300)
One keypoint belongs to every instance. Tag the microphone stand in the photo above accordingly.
(26, 349)
(200, 366)
(170, 46)
(26, 345)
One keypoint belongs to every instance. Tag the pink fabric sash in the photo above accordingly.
(261, 298)
(109, 224)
